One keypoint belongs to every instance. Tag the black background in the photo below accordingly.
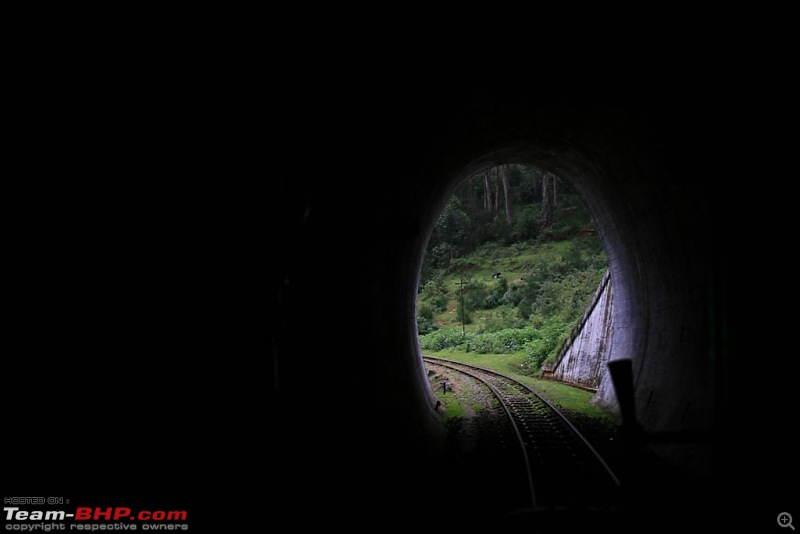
(158, 208)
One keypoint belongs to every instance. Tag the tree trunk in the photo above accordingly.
(487, 193)
(547, 212)
(555, 191)
(534, 174)
(506, 193)
(496, 193)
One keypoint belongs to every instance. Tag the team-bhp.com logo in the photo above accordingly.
(86, 513)
(88, 517)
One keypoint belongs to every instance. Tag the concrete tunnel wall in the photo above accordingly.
(647, 185)
(653, 239)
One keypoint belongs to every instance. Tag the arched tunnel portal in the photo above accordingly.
(646, 311)
(647, 179)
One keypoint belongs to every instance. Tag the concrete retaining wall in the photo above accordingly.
(582, 359)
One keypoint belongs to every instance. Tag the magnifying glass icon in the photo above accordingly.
(785, 520)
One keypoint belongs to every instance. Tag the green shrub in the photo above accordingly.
(425, 312)
(463, 315)
(513, 296)
(426, 326)
(475, 294)
(443, 339)
(502, 341)
(433, 295)
(494, 298)
(526, 225)
(549, 339)
(524, 308)
(501, 318)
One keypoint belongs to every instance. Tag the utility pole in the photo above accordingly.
(463, 310)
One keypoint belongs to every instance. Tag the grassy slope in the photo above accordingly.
(513, 262)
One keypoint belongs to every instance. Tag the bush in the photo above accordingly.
(513, 296)
(495, 296)
(527, 223)
(501, 342)
(568, 296)
(439, 256)
(443, 339)
(573, 257)
(549, 338)
(463, 315)
(475, 294)
(524, 308)
(500, 319)
(426, 326)
(433, 295)
(438, 302)
(425, 312)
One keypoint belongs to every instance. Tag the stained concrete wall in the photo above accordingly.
(582, 359)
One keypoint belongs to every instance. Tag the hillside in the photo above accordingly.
(499, 294)
(538, 294)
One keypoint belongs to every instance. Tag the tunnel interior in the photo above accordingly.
(646, 186)
(252, 303)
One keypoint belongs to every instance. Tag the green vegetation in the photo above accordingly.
(513, 365)
(453, 408)
(523, 258)
(450, 400)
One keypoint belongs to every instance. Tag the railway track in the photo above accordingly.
(563, 470)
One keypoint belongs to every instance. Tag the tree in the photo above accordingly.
(506, 192)
(487, 193)
(547, 209)
(496, 192)
(555, 191)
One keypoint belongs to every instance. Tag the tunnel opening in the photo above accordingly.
(589, 233)
(660, 254)
(653, 275)
(513, 271)
(513, 265)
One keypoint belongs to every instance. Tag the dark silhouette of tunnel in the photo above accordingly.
(251, 301)
(645, 177)
(651, 173)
